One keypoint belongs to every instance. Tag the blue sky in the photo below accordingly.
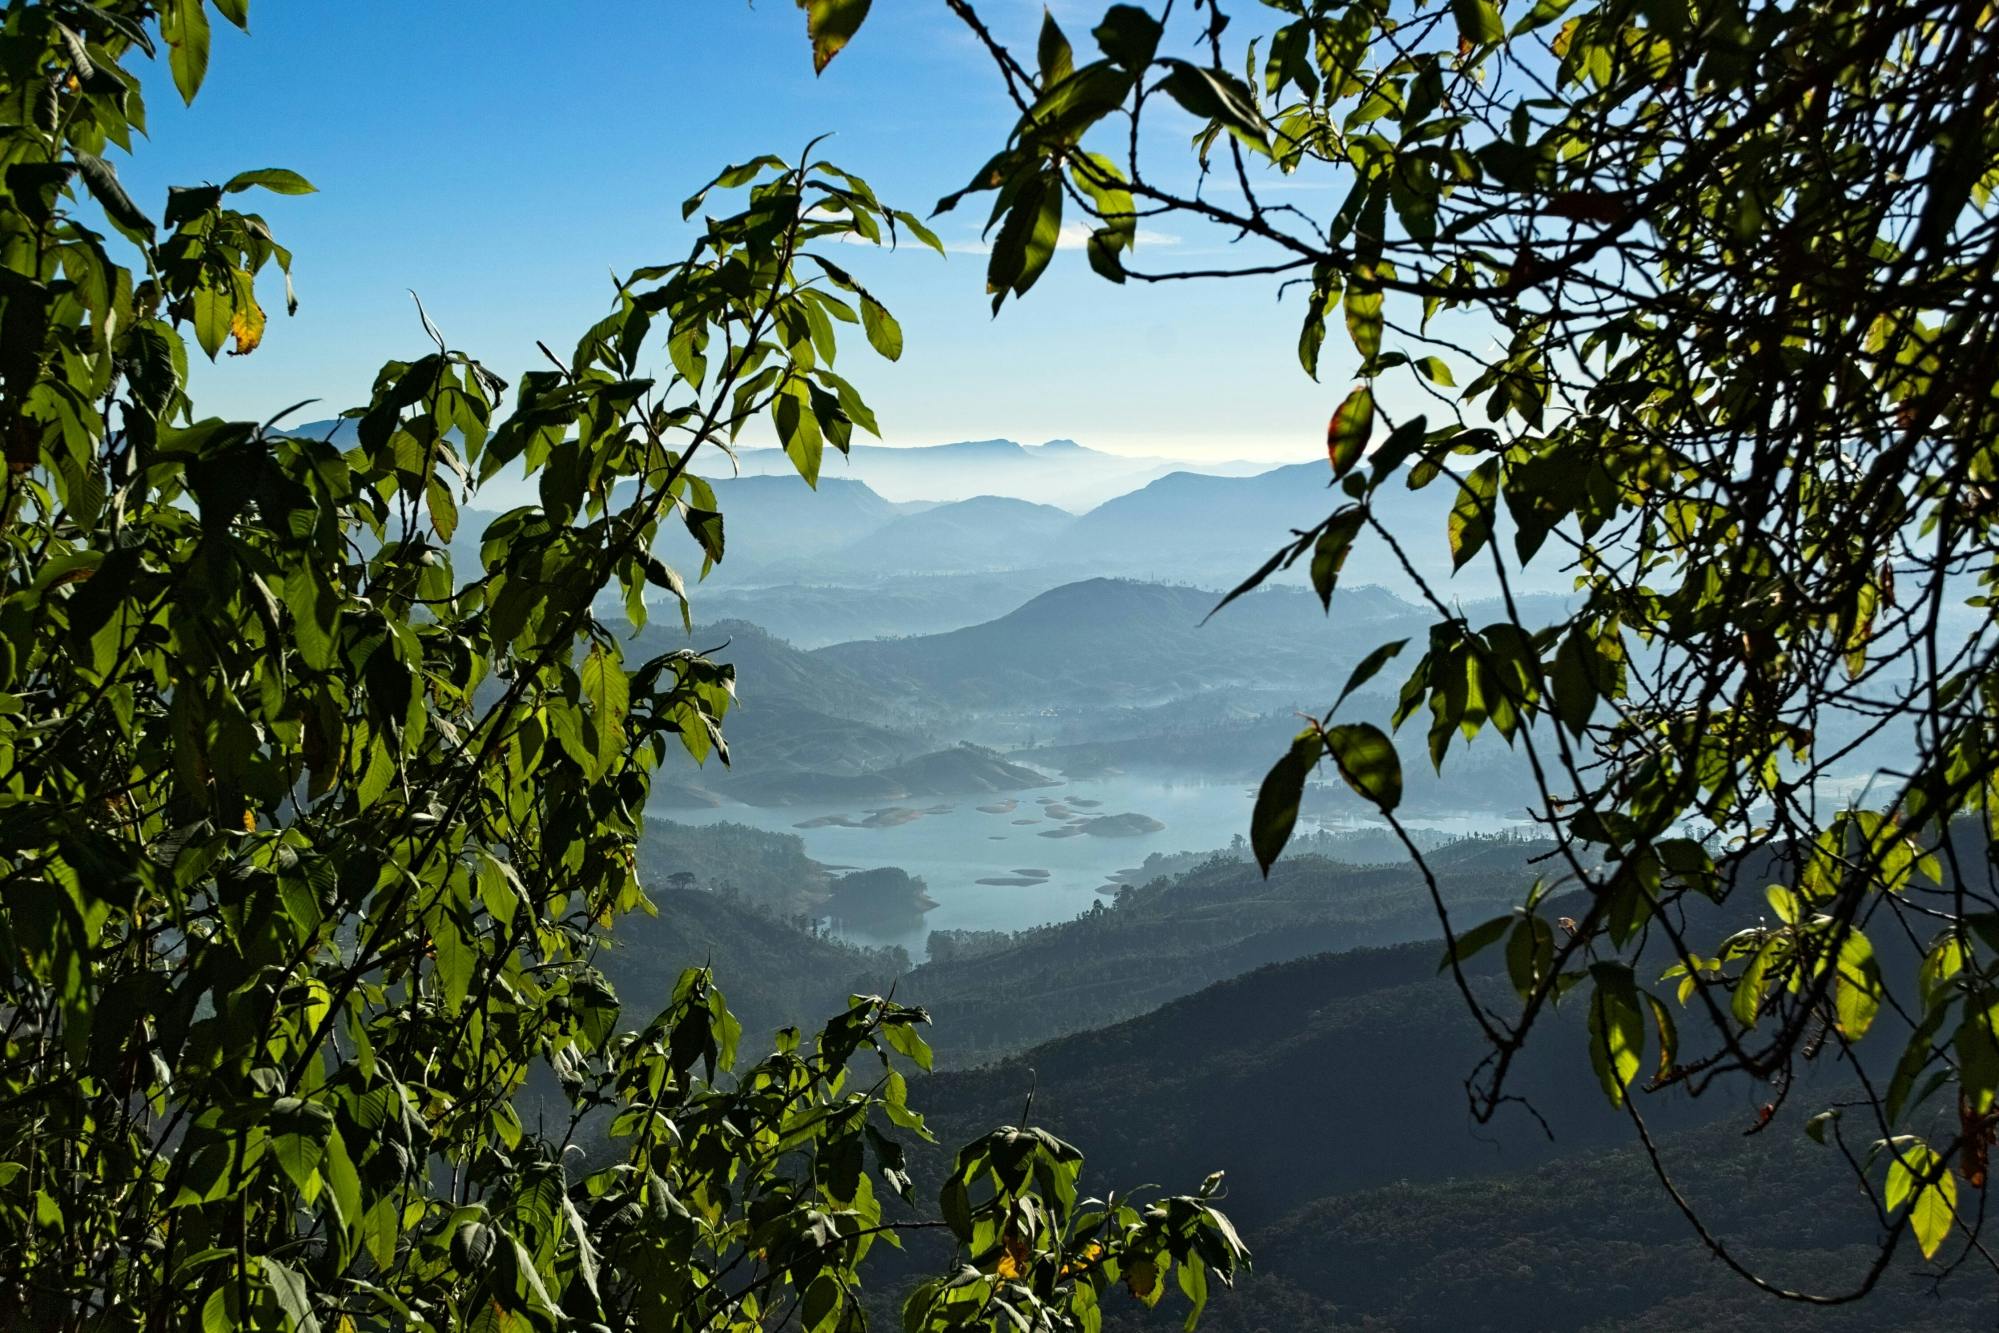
(501, 159)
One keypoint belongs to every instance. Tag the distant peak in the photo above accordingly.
(995, 446)
(1062, 446)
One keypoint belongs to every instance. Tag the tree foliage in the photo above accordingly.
(308, 837)
(1689, 302)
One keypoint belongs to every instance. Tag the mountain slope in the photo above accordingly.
(987, 532)
(776, 522)
(772, 972)
(1126, 643)
(1330, 1090)
(1217, 529)
(1587, 1242)
(1173, 937)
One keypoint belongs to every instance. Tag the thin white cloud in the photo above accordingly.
(1073, 236)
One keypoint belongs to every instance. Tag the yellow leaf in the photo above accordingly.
(246, 325)
(1014, 1256)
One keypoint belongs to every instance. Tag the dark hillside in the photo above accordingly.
(1330, 1090)
(1588, 1241)
(1173, 937)
(773, 973)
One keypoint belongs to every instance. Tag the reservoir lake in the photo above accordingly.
(1036, 839)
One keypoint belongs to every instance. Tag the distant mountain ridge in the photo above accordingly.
(1016, 520)
(1187, 526)
(1059, 472)
(982, 534)
(1123, 642)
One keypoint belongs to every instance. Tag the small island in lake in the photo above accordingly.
(883, 898)
(1120, 826)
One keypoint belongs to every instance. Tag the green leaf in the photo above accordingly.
(1475, 940)
(1920, 1179)
(1574, 682)
(287, 1288)
(904, 1039)
(798, 430)
(184, 25)
(1128, 35)
(219, 1313)
(278, 180)
(831, 24)
(1404, 440)
(705, 526)
(214, 309)
(1616, 1029)
(1367, 760)
(1433, 369)
(104, 187)
(1470, 523)
(457, 956)
(1369, 667)
(1858, 994)
(299, 1156)
(1276, 810)
(1478, 21)
(1350, 429)
(608, 691)
(342, 1180)
(472, 1246)
(884, 334)
(1363, 314)
(1530, 955)
(741, 173)
(1330, 552)
(1054, 57)
(1669, 1035)
(1027, 239)
(917, 229)
(1217, 96)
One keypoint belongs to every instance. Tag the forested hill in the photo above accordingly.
(1301, 1079)
(1585, 1241)
(1170, 938)
(1330, 1090)
(787, 976)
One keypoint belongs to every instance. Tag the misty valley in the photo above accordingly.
(1024, 808)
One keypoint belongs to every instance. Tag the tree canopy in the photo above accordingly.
(309, 836)
(1690, 304)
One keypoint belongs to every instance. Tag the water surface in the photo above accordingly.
(952, 845)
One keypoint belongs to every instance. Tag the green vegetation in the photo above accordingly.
(882, 896)
(1694, 299)
(768, 871)
(310, 837)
